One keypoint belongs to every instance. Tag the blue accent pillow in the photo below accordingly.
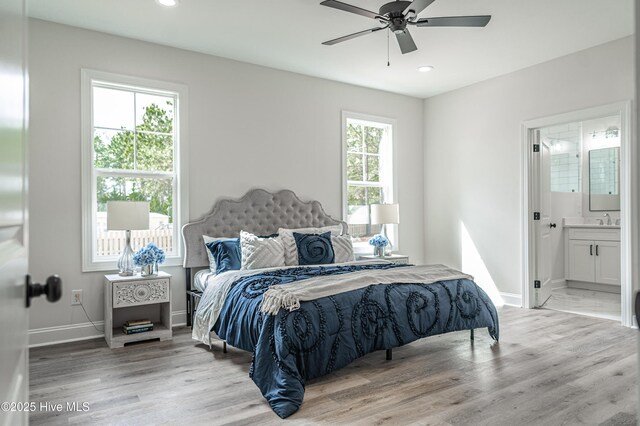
(226, 252)
(314, 249)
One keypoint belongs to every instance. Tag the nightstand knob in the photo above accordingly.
(53, 289)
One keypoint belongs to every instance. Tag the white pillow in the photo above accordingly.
(289, 243)
(260, 252)
(343, 248)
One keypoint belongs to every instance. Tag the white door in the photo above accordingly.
(14, 376)
(581, 261)
(607, 259)
(543, 231)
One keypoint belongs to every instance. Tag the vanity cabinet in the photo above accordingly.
(593, 255)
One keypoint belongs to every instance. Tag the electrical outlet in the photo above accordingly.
(76, 297)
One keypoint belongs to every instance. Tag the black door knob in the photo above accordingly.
(53, 289)
(552, 225)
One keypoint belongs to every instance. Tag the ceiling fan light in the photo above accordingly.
(168, 3)
(425, 68)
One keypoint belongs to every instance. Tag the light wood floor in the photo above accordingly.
(585, 302)
(550, 368)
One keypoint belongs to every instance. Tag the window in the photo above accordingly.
(368, 174)
(131, 142)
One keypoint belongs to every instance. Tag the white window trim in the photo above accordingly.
(394, 163)
(180, 162)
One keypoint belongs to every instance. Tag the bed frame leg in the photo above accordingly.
(189, 298)
(472, 334)
(224, 347)
(389, 355)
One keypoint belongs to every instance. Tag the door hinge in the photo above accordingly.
(536, 215)
(536, 147)
(536, 284)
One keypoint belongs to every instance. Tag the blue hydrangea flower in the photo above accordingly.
(149, 255)
(378, 241)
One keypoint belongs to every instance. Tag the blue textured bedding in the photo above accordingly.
(328, 333)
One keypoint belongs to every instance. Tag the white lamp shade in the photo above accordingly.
(127, 215)
(384, 214)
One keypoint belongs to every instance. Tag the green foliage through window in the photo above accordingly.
(365, 185)
(149, 148)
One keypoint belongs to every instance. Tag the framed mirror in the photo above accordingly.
(604, 179)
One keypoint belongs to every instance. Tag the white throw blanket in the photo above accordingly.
(289, 296)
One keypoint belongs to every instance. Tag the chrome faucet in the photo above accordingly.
(608, 218)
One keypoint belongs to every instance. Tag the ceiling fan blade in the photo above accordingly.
(349, 8)
(354, 35)
(417, 6)
(455, 21)
(406, 41)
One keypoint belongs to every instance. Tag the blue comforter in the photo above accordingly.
(328, 333)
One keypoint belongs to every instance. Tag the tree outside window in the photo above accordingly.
(369, 174)
(133, 159)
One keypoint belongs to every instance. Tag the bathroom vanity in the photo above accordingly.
(592, 255)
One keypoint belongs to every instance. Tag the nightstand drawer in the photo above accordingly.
(135, 293)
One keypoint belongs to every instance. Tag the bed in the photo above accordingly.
(303, 322)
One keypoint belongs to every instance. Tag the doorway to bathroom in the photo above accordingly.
(577, 206)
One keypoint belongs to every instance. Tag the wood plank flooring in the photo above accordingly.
(585, 302)
(550, 368)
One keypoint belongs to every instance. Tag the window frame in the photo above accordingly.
(392, 230)
(90, 173)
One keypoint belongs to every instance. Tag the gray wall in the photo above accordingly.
(473, 154)
(249, 126)
(459, 153)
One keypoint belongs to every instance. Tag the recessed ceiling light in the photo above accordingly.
(168, 3)
(425, 68)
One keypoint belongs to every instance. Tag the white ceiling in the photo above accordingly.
(287, 35)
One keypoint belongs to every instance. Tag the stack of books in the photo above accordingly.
(137, 326)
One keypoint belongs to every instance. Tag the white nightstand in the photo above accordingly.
(395, 258)
(136, 297)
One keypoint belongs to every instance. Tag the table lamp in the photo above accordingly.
(385, 214)
(125, 216)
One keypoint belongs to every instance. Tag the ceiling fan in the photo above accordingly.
(398, 15)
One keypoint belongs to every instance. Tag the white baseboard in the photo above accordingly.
(83, 331)
(65, 333)
(511, 299)
(594, 287)
(559, 283)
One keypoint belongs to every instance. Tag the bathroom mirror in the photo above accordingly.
(604, 179)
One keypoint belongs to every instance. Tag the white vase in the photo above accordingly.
(378, 251)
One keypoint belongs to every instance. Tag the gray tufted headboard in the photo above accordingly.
(259, 212)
